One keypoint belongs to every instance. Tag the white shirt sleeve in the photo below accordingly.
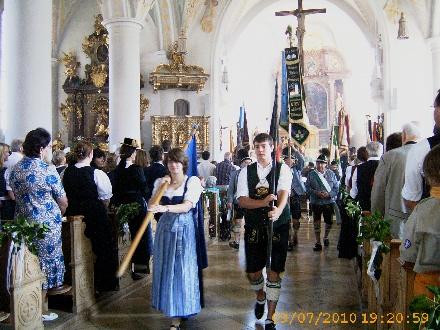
(354, 188)
(194, 190)
(242, 187)
(347, 175)
(7, 179)
(413, 188)
(285, 179)
(103, 183)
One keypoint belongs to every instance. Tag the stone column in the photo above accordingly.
(434, 43)
(124, 79)
(27, 66)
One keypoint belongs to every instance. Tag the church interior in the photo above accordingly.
(151, 70)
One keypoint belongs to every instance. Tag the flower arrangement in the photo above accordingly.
(425, 311)
(376, 228)
(125, 213)
(92, 140)
(22, 231)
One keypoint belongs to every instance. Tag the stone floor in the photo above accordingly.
(319, 291)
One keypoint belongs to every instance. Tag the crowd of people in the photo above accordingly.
(401, 182)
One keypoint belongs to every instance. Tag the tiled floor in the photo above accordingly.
(319, 291)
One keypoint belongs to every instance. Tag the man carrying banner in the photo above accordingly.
(322, 186)
(253, 195)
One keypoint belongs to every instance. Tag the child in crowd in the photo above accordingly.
(422, 231)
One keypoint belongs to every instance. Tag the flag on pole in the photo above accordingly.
(275, 124)
(202, 256)
(245, 133)
(292, 98)
(231, 142)
(191, 151)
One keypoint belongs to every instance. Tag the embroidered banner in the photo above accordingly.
(292, 98)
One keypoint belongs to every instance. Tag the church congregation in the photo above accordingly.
(133, 194)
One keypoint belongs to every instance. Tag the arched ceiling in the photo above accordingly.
(189, 13)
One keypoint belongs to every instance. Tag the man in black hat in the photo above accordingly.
(296, 164)
(322, 186)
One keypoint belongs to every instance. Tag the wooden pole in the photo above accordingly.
(155, 200)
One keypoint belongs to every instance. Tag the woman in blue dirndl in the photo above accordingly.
(175, 289)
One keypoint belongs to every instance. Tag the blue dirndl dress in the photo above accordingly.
(175, 289)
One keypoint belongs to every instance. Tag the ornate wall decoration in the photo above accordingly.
(177, 129)
(145, 103)
(86, 109)
(208, 17)
(177, 74)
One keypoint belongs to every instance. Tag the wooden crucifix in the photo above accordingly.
(300, 14)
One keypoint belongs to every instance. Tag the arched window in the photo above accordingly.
(181, 107)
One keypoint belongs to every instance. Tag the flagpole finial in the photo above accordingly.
(196, 127)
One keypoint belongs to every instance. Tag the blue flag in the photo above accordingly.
(191, 151)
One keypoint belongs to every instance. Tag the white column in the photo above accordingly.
(27, 66)
(124, 79)
(434, 43)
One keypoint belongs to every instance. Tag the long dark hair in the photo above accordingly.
(82, 150)
(125, 152)
(34, 141)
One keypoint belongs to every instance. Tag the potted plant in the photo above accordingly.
(125, 213)
(425, 311)
(23, 232)
(377, 229)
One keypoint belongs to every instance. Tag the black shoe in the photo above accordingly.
(295, 241)
(318, 247)
(270, 325)
(135, 276)
(259, 308)
(326, 242)
(234, 245)
(290, 247)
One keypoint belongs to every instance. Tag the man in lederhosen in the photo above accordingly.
(254, 196)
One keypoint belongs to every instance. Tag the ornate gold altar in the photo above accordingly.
(86, 109)
(177, 74)
(177, 129)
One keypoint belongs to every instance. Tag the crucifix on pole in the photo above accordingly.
(300, 14)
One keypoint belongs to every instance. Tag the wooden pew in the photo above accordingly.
(405, 291)
(121, 246)
(25, 301)
(79, 260)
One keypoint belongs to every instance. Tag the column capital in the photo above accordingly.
(434, 43)
(123, 21)
(137, 9)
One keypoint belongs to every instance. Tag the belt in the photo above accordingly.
(5, 198)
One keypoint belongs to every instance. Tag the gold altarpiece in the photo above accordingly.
(177, 129)
(86, 109)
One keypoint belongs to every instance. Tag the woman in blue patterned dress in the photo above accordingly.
(175, 289)
(40, 198)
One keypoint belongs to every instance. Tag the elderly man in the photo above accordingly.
(364, 174)
(223, 171)
(205, 168)
(390, 177)
(413, 190)
(322, 186)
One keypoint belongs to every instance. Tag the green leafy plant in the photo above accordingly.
(22, 231)
(376, 228)
(425, 311)
(125, 213)
(352, 206)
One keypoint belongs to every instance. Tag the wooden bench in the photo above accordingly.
(121, 246)
(79, 260)
(25, 300)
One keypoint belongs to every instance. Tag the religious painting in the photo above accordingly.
(316, 104)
